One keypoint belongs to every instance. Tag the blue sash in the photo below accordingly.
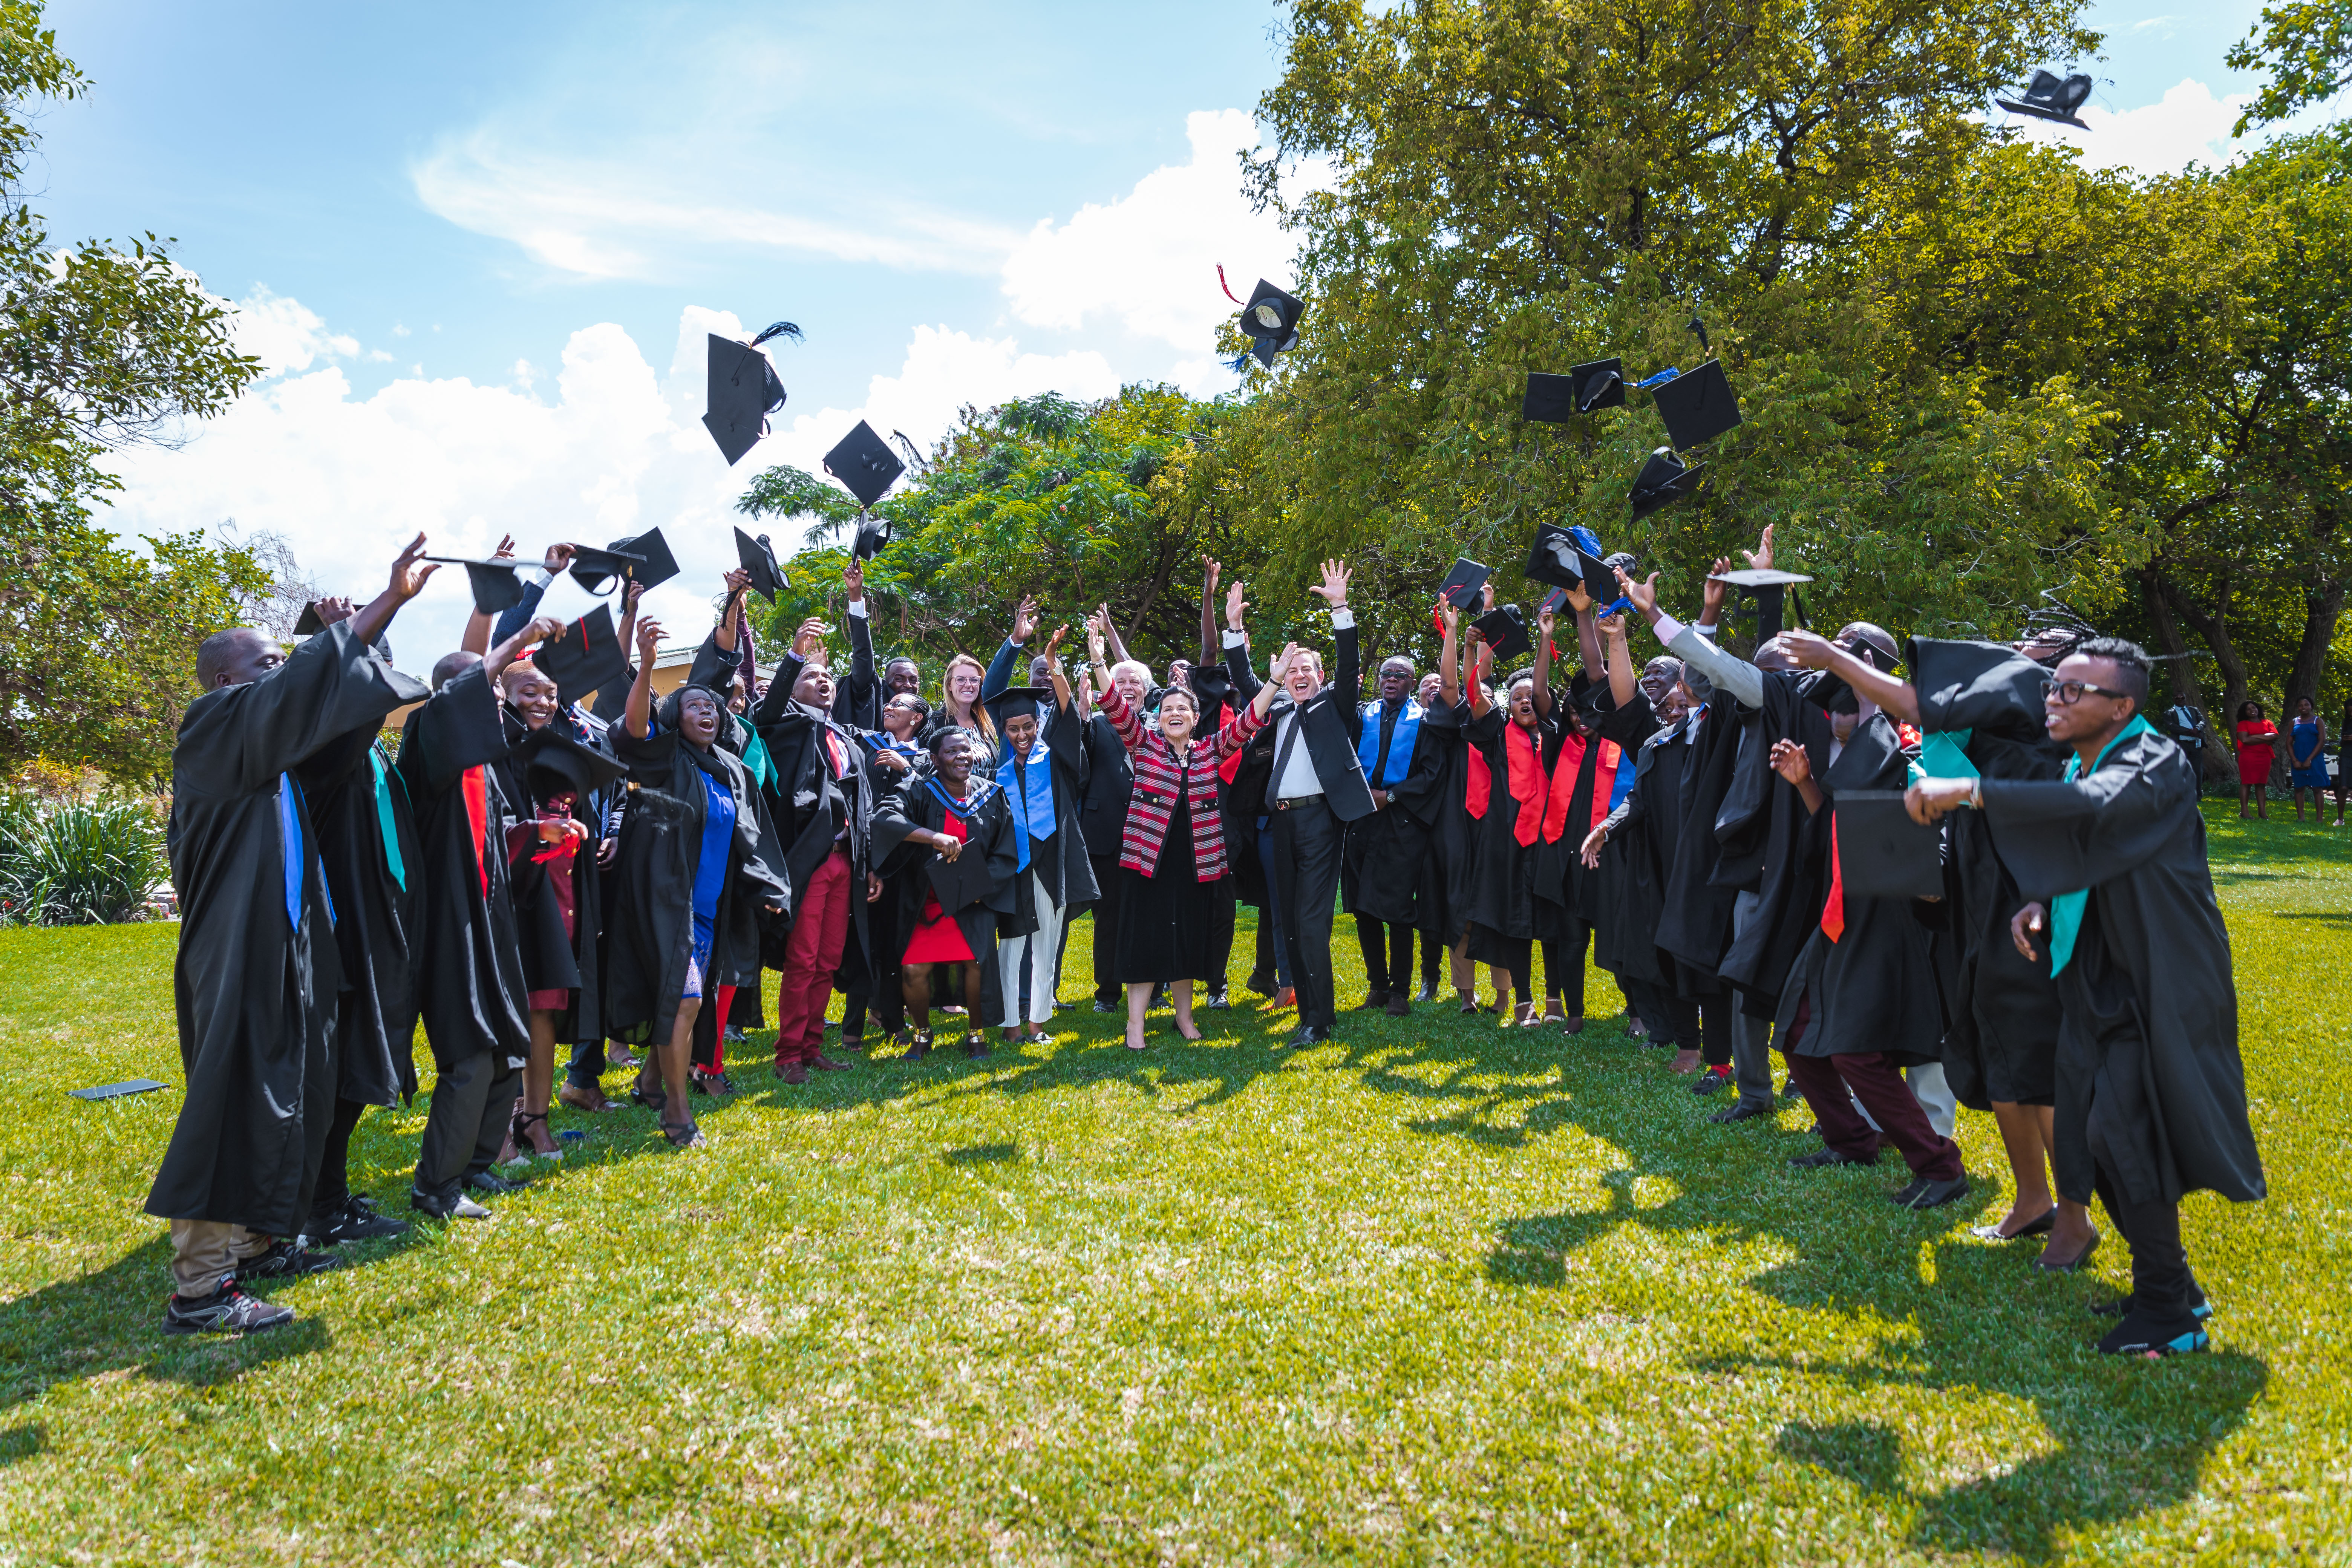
(1031, 787)
(1389, 774)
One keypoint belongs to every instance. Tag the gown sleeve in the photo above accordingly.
(458, 729)
(1977, 686)
(2060, 834)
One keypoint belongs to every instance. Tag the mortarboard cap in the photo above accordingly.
(658, 566)
(2047, 98)
(1698, 406)
(494, 582)
(1462, 585)
(586, 658)
(1271, 320)
(1664, 478)
(1759, 577)
(307, 623)
(1882, 853)
(1554, 599)
(759, 558)
(553, 750)
(1015, 700)
(111, 1090)
(1506, 632)
(864, 463)
(743, 391)
(593, 569)
(1555, 559)
(873, 537)
(1556, 399)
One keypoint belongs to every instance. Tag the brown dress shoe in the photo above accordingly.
(1400, 1004)
(792, 1072)
(826, 1063)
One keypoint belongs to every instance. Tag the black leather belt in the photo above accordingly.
(1291, 802)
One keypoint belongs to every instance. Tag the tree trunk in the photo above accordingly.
(2188, 686)
(2321, 609)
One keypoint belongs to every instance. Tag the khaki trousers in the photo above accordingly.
(205, 1252)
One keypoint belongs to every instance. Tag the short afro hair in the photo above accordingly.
(2131, 661)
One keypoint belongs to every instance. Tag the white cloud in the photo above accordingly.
(1149, 260)
(2188, 125)
(285, 334)
(619, 448)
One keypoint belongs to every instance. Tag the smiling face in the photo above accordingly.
(1306, 677)
(2090, 714)
(814, 688)
(1178, 717)
(1021, 730)
(530, 693)
(697, 718)
(902, 714)
(952, 758)
(902, 675)
(1396, 679)
(962, 681)
(1132, 680)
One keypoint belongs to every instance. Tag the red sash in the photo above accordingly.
(1528, 785)
(1605, 782)
(1563, 786)
(474, 784)
(1834, 911)
(1476, 785)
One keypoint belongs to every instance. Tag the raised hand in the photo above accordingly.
(1054, 643)
(852, 577)
(1025, 621)
(1644, 594)
(809, 638)
(1761, 558)
(1333, 589)
(1612, 628)
(408, 573)
(557, 558)
(505, 552)
(737, 580)
(1810, 649)
(332, 610)
(649, 636)
(1578, 600)
(630, 596)
(542, 629)
(1715, 591)
(1236, 606)
(1453, 614)
(1209, 570)
(1792, 762)
(1545, 620)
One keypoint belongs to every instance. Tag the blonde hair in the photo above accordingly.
(980, 719)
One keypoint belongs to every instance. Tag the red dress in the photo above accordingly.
(937, 938)
(2255, 752)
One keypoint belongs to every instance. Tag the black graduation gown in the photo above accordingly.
(649, 920)
(2147, 1037)
(1059, 858)
(1559, 866)
(376, 911)
(1453, 832)
(551, 960)
(987, 832)
(1764, 830)
(1694, 928)
(805, 795)
(255, 992)
(1501, 892)
(1874, 988)
(1244, 803)
(2002, 1042)
(1629, 886)
(471, 986)
(1385, 869)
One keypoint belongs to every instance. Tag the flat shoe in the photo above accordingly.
(2038, 1227)
(2082, 1257)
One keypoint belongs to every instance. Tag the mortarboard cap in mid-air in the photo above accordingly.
(873, 537)
(1759, 577)
(1506, 632)
(1586, 388)
(1882, 853)
(1664, 478)
(743, 391)
(1462, 585)
(553, 749)
(1271, 319)
(586, 658)
(758, 557)
(864, 463)
(1555, 559)
(600, 571)
(653, 550)
(1698, 405)
(2048, 98)
(494, 582)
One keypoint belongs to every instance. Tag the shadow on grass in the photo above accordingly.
(111, 1321)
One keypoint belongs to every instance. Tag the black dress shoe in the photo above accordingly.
(1428, 993)
(1827, 1156)
(1259, 983)
(1309, 1035)
(1743, 1112)
(1400, 1004)
(1926, 1193)
(2036, 1226)
(1373, 1002)
(1712, 1079)
(492, 1183)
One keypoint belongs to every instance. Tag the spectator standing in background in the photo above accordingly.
(2257, 750)
(2307, 755)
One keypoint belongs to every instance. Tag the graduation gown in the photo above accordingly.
(1559, 866)
(1700, 890)
(1871, 988)
(988, 833)
(2148, 1073)
(1628, 884)
(1060, 858)
(649, 918)
(1385, 871)
(1501, 892)
(256, 980)
(2001, 1042)
(552, 960)
(1762, 827)
(374, 865)
(1453, 831)
(802, 800)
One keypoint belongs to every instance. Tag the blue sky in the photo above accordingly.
(479, 245)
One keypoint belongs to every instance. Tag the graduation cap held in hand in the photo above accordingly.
(1506, 632)
(743, 391)
(1759, 577)
(307, 623)
(586, 660)
(494, 582)
(1462, 585)
(1698, 405)
(864, 463)
(758, 557)
(2047, 98)
(1664, 478)
(1271, 319)
(1882, 853)
(553, 750)
(1556, 399)
(961, 882)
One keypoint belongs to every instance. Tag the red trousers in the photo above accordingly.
(820, 928)
(1878, 1084)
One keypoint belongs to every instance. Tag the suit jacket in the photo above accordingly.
(1102, 816)
(1333, 722)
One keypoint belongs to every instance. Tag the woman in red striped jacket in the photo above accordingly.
(1172, 852)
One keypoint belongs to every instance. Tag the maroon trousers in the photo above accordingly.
(820, 930)
(1878, 1084)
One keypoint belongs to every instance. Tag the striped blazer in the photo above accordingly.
(1160, 775)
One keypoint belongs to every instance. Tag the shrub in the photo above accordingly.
(89, 862)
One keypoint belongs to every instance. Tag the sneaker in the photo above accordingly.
(1217, 998)
(284, 1260)
(1710, 1081)
(227, 1310)
(2199, 1306)
(356, 1220)
(1103, 1006)
(2137, 1335)
(458, 1206)
(734, 1033)
(491, 1182)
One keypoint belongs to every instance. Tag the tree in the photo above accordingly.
(99, 346)
(2306, 46)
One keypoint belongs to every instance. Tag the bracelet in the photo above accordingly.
(1976, 794)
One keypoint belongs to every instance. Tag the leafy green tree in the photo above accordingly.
(2306, 47)
(99, 346)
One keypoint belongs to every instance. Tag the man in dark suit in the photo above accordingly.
(1102, 819)
(1317, 788)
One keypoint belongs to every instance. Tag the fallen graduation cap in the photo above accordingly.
(864, 462)
(2047, 98)
(1462, 585)
(1506, 632)
(1758, 578)
(743, 391)
(494, 582)
(1882, 853)
(1696, 406)
(1664, 478)
(551, 748)
(758, 557)
(586, 658)
(1271, 319)
(109, 1090)
(1556, 399)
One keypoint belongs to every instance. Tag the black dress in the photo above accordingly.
(1166, 919)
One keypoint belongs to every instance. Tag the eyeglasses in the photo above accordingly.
(2071, 692)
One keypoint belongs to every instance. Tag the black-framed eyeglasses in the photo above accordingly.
(2071, 692)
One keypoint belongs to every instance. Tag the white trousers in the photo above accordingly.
(1039, 951)
(1934, 1094)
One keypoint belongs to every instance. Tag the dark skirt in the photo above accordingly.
(1167, 920)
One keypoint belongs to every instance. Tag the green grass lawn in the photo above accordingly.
(1434, 1292)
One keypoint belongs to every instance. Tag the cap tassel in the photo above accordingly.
(1227, 287)
(779, 330)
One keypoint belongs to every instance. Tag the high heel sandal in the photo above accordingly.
(525, 1150)
(975, 1044)
(919, 1045)
(682, 1135)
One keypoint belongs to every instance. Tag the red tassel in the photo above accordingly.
(1227, 287)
